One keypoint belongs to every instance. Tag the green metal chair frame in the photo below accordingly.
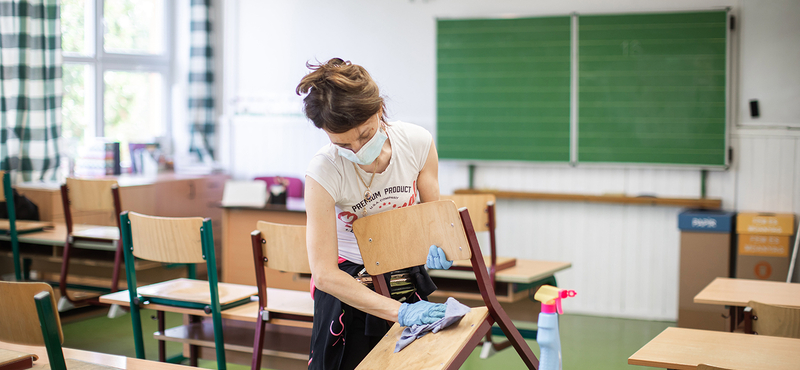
(50, 329)
(12, 224)
(215, 309)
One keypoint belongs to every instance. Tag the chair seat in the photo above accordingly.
(433, 351)
(23, 226)
(196, 291)
(96, 232)
(73, 364)
(290, 301)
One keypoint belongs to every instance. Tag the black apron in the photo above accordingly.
(342, 336)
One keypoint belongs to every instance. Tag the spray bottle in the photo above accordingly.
(547, 335)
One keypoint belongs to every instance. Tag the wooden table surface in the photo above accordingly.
(278, 300)
(56, 234)
(120, 362)
(737, 292)
(680, 348)
(526, 271)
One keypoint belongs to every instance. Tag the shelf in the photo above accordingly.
(619, 199)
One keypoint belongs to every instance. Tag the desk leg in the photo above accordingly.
(193, 349)
(162, 345)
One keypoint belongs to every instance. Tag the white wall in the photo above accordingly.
(625, 257)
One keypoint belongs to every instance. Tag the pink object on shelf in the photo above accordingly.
(294, 188)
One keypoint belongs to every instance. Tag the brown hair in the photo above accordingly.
(341, 96)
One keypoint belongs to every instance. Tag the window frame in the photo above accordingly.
(101, 61)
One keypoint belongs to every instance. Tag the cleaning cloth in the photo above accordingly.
(455, 311)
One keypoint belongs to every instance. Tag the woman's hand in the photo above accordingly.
(420, 313)
(437, 260)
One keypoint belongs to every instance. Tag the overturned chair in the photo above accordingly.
(400, 239)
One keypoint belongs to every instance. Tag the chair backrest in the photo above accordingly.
(90, 201)
(295, 188)
(478, 206)
(401, 238)
(19, 321)
(284, 247)
(774, 320)
(167, 239)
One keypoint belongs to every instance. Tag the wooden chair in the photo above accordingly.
(95, 202)
(29, 318)
(481, 207)
(12, 227)
(766, 319)
(280, 247)
(401, 238)
(186, 240)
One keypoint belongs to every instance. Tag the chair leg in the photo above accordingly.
(258, 343)
(138, 338)
(486, 327)
(516, 339)
(219, 341)
(62, 281)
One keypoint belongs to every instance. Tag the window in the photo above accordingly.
(117, 68)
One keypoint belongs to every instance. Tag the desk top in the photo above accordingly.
(679, 348)
(56, 234)
(292, 205)
(737, 292)
(278, 300)
(526, 271)
(120, 362)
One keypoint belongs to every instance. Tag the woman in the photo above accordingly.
(370, 166)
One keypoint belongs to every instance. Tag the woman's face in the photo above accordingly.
(356, 137)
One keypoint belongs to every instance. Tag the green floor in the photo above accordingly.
(588, 342)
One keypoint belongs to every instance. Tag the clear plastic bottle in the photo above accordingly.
(548, 335)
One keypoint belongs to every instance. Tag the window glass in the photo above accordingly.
(76, 106)
(133, 26)
(133, 107)
(76, 35)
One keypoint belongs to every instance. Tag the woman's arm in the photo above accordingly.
(323, 254)
(428, 180)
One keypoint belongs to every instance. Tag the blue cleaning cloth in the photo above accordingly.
(455, 311)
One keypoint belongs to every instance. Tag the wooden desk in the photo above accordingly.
(737, 292)
(237, 250)
(679, 348)
(120, 362)
(285, 343)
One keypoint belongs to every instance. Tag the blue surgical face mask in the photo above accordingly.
(368, 153)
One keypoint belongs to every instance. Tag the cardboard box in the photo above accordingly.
(764, 245)
(762, 268)
(765, 223)
(707, 252)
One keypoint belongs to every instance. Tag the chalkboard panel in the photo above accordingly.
(503, 89)
(652, 88)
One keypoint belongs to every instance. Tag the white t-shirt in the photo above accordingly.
(395, 187)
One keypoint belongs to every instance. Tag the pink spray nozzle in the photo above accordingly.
(561, 295)
(551, 297)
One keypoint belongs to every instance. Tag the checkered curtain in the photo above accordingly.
(201, 82)
(30, 88)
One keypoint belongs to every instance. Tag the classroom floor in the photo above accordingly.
(588, 342)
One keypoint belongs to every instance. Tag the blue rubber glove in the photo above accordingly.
(420, 313)
(437, 260)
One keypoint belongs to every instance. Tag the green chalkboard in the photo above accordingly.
(503, 89)
(652, 88)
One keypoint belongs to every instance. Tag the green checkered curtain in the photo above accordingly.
(201, 82)
(30, 88)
